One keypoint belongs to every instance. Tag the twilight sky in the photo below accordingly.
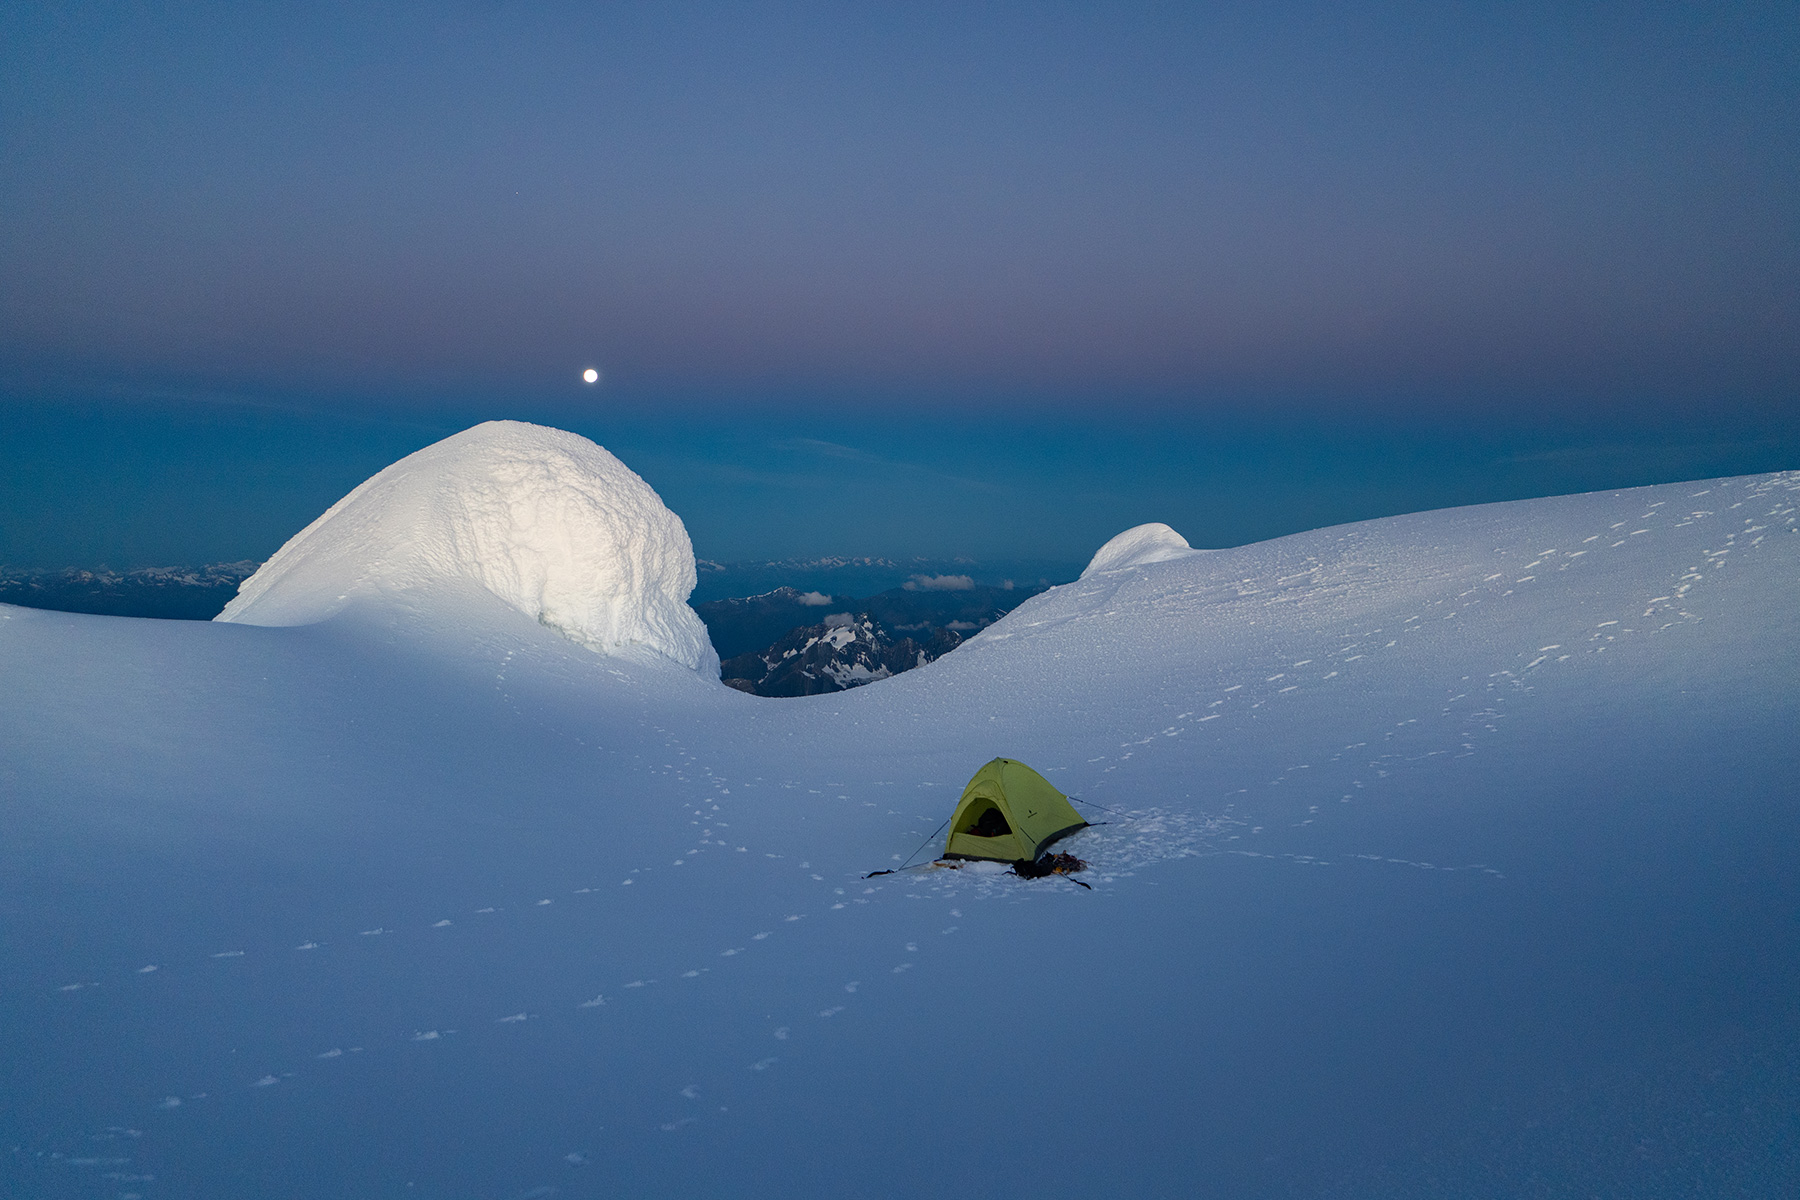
(905, 279)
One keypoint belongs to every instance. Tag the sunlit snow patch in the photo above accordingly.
(1137, 547)
(545, 520)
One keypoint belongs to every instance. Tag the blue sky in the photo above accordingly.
(905, 279)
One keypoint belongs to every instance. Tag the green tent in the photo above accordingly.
(1009, 813)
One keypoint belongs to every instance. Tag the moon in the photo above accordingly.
(590, 376)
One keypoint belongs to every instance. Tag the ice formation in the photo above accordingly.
(549, 522)
(1138, 546)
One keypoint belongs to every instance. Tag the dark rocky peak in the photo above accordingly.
(843, 651)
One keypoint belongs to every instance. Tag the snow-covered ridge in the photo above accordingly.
(549, 522)
(1139, 546)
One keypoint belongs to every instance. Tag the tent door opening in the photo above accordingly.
(990, 823)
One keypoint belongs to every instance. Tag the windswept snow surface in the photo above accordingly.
(545, 520)
(1447, 855)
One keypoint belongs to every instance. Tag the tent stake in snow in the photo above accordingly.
(913, 855)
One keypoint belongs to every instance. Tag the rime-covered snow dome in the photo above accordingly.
(1141, 544)
(548, 521)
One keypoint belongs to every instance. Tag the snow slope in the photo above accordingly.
(1446, 855)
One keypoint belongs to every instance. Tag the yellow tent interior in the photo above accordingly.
(1009, 813)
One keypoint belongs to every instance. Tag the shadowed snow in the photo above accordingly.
(1440, 855)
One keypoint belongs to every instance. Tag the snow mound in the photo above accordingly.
(1137, 546)
(549, 522)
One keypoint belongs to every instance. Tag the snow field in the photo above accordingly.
(1389, 710)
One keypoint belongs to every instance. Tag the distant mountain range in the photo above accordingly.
(838, 576)
(810, 634)
(172, 593)
(748, 624)
(744, 605)
(770, 647)
(841, 652)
